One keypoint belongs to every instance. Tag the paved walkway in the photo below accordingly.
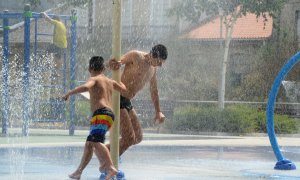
(49, 137)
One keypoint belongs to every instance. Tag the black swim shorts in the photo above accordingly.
(96, 138)
(125, 103)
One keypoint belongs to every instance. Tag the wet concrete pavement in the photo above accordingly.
(158, 157)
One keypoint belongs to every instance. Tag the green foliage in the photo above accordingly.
(233, 119)
(230, 10)
(282, 124)
(191, 10)
(272, 56)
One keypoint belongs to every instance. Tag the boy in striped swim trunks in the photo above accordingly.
(100, 88)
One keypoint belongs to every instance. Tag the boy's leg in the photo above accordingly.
(103, 156)
(102, 163)
(127, 132)
(137, 128)
(86, 157)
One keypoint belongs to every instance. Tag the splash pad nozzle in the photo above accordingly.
(120, 176)
(282, 164)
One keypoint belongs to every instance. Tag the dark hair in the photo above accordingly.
(159, 51)
(97, 63)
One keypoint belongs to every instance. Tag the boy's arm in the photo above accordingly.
(127, 58)
(47, 17)
(159, 116)
(119, 86)
(83, 88)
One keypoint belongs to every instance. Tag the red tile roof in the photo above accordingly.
(246, 27)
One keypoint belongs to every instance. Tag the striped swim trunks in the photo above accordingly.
(100, 123)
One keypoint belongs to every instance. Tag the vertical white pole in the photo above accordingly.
(116, 75)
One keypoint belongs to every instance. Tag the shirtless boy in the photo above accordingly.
(100, 88)
(140, 68)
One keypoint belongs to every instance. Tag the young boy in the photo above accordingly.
(100, 88)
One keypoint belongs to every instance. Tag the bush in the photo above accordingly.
(233, 119)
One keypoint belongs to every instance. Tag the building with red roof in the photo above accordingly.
(249, 27)
(206, 45)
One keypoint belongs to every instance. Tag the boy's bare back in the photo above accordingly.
(101, 92)
(100, 88)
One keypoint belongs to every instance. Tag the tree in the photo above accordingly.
(229, 11)
(258, 82)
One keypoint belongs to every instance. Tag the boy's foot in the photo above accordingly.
(110, 173)
(102, 168)
(75, 175)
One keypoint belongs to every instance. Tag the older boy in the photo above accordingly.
(100, 88)
(140, 68)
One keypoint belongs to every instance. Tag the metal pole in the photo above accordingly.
(73, 72)
(5, 70)
(35, 37)
(27, 16)
(65, 67)
(116, 75)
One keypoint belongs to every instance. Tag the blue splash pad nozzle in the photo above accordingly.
(120, 176)
(285, 165)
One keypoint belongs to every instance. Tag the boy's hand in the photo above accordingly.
(65, 97)
(114, 64)
(159, 118)
(43, 14)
